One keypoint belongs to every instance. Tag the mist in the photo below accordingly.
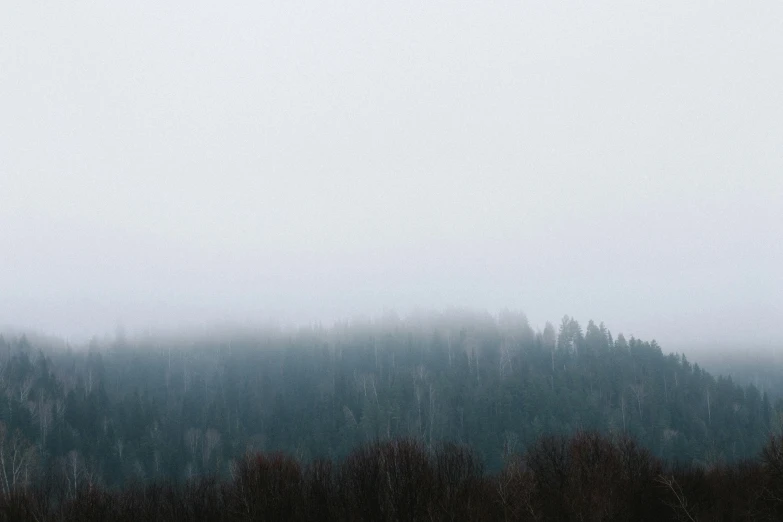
(170, 166)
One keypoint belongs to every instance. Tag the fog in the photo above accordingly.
(176, 165)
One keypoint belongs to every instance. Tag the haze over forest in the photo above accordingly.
(171, 166)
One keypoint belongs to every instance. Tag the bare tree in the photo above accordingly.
(25, 387)
(44, 412)
(16, 459)
(119, 445)
(622, 409)
(77, 474)
(638, 392)
(350, 418)
(510, 440)
(680, 504)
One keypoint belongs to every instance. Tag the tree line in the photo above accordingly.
(585, 477)
(174, 408)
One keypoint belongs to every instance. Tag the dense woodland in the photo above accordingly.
(177, 408)
(761, 367)
(585, 478)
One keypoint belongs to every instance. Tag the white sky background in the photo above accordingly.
(170, 165)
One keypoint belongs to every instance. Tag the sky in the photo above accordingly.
(173, 165)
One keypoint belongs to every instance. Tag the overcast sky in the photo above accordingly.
(167, 164)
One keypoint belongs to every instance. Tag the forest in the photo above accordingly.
(162, 414)
(584, 477)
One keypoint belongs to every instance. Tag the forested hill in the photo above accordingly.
(174, 408)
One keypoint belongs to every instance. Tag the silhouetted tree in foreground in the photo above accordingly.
(583, 478)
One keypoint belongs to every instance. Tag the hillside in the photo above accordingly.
(178, 407)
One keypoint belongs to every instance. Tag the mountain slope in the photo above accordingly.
(177, 407)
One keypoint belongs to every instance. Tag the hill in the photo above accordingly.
(184, 406)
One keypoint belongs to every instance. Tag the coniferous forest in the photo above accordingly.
(452, 416)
